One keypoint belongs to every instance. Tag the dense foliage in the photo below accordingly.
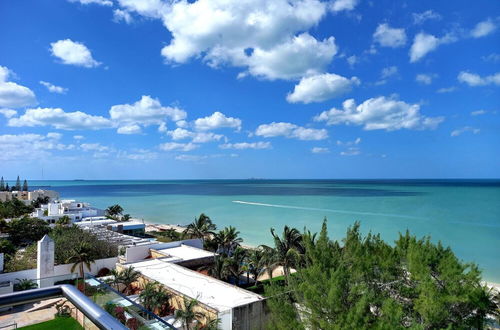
(367, 283)
(26, 230)
(14, 208)
(67, 239)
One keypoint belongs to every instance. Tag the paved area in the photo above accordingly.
(27, 314)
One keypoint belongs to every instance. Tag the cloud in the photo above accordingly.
(424, 43)
(53, 88)
(58, 118)
(140, 154)
(425, 78)
(94, 147)
(8, 113)
(13, 95)
(290, 131)
(129, 129)
(73, 53)
(389, 72)
(300, 56)
(349, 143)
(78, 137)
(169, 146)
(484, 28)
(464, 129)
(420, 18)
(320, 150)
(24, 147)
(340, 5)
(197, 137)
(353, 151)
(215, 121)
(122, 16)
(352, 60)
(386, 36)
(147, 111)
(321, 87)
(108, 3)
(478, 112)
(246, 145)
(446, 90)
(493, 57)
(379, 113)
(474, 80)
(269, 39)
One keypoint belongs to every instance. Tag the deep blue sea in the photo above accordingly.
(464, 214)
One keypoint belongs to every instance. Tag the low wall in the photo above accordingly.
(60, 270)
(140, 252)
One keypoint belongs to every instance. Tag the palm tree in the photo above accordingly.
(213, 324)
(153, 298)
(114, 210)
(268, 259)
(236, 263)
(126, 277)
(227, 240)
(25, 284)
(188, 315)
(201, 227)
(63, 221)
(82, 255)
(288, 249)
(255, 261)
(220, 268)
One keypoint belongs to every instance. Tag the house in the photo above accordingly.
(75, 210)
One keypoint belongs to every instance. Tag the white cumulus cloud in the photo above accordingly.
(340, 5)
(147, 111)
(53, 88)
(122, 16)
(58, 118)
(386, 36)
(26, 147)
(425, 78)
(13, 95)
(484, 28)
(73, 53)
(215, 121)
(424, 43)
(129, 129)
(420, 18)
(108, 3)
(379, 113)
(473, 79)
(321, 87)
(290, 131)
(8, 113)
(196, 137)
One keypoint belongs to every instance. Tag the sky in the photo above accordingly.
(220, 89)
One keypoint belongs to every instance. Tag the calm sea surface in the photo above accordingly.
(464, 214)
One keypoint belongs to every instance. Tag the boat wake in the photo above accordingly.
(330, 210)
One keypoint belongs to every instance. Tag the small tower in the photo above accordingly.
(45, 262)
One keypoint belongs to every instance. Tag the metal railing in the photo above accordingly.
(92, 311)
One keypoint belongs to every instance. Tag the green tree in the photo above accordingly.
(7, 188)
(227, 240)
(188, 315)
(18, 184)
(288, 249)
(114, 211)
(367, 283)
(7, 248)
(26, 230)
(63, 221)
(25, 185)
(256, 264)
(39, 201)
(201, 227)
(2, 184)
(220, 268)
(153, 298)
(14, 208)
(81, 256)
(126, 277)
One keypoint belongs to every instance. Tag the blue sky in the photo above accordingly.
(117, 89)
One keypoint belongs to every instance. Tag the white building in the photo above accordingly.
(28, 196)
(75, 210)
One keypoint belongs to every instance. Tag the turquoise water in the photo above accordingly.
(464, 214)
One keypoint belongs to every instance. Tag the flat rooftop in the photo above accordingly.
(185, 252)
(207, 290)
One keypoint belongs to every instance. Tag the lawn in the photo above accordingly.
(66, 323)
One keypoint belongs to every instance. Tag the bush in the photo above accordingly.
(27, 230)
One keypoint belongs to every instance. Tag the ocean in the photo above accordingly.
(463, 214)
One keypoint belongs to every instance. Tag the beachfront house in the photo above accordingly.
(75, 210)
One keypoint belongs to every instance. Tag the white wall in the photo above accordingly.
(139, 252)
(60, 270)
(226, 320)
